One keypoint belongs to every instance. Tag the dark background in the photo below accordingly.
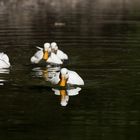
(102, 40)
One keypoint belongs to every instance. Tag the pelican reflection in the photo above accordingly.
(47, 73)
(66, 80)
(3, 73)
(65, 93)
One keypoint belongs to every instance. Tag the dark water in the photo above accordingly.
(102, 39)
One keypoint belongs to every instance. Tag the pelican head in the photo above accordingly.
(54, 46)
(63, 77)
(64, 71)
(46, 46)
(46, 51)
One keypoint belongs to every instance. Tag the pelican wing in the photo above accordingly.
(74, 78)
(1, 54)
(4, 57)
(62, 55)
(4, 60)
(54, 59)
(37, 56)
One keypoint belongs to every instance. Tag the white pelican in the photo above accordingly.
(59, 53)
(65, 94)
(4, 60)
(46, 55)
(65, 77)
(41, 54)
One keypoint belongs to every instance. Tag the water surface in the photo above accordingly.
(102, 41)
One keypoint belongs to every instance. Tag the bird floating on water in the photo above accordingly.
(45, 54)
(4, 60)
(66, 77)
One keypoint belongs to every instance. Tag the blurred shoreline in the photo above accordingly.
(49, 4)
(111, 6)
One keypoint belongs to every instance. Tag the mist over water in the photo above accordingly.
(101, 38)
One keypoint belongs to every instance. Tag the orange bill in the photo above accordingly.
(46, 55)
(62, 81)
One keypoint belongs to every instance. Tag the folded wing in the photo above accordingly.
(74, 78)
(54, 59)
(37, 57)
(62, 55)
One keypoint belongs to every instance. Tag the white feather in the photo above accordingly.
(62, 55)
(54, 59)
(4, 60)
(74, 78)
(37, 57)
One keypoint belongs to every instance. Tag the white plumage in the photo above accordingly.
(72, 77)
(62, 55)
(59, 53)
(4, 60)
(52, 59)
(36, 58)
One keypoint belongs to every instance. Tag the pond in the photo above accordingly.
(102, 41)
